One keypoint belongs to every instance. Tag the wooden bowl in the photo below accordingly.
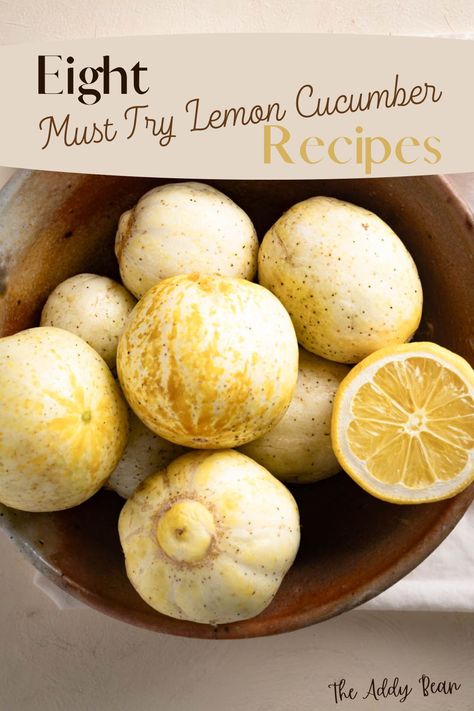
(54, 225)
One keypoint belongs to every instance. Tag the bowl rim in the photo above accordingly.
(451, 512)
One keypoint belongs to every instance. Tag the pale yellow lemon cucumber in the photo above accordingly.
(93, 307)
(346, 279)
(145, 454)
(180, 228)
(63, 421)
(298, 449)
(208, 362)
(210, 538)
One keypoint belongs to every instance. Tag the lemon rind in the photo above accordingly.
(355, 467)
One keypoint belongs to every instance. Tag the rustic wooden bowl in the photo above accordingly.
(53, 225)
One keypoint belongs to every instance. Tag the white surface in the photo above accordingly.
(54, 660)
(27, 20)
(80, 660)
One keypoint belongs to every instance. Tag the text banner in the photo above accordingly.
(240, 106)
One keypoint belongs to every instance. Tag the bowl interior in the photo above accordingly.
(54, 225)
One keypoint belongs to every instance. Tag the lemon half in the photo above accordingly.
(403, 423)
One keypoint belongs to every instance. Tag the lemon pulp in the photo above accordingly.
(403, 423)
(413, 423)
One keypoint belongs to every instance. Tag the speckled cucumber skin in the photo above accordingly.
(93, 307)
(145, 454)
(346, 279)
(208, 362)
(180, 228)
(298, 449)
(210, 538)
(63, 421)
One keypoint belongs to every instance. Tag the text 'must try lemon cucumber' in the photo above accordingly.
(209, 360)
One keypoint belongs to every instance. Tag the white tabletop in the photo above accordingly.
(79, 659)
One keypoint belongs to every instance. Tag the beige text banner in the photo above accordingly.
(240, 106)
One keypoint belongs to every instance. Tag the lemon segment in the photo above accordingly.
(403, 423)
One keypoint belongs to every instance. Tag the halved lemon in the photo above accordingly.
(403, 423)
